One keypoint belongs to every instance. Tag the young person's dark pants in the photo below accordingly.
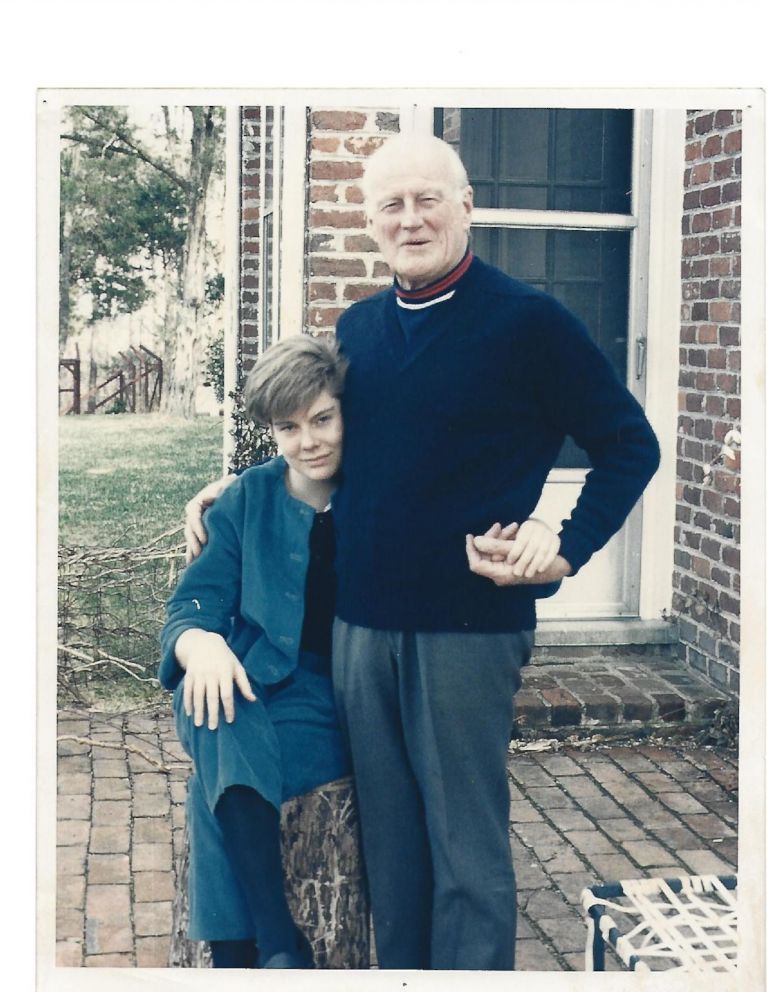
(284, 744)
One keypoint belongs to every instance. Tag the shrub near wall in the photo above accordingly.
(707, 537)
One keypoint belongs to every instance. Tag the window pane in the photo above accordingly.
(544, 159)
(587, 271)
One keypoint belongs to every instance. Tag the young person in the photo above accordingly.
(248, 632)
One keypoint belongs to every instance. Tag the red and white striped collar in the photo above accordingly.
(436, 292)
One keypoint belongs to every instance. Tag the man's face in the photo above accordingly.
(420, 221)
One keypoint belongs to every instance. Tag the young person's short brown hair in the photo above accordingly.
(290, 375)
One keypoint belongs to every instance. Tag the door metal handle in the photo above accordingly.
(641, 356)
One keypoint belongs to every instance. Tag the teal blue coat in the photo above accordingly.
(248, 585)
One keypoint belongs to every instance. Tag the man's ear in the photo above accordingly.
(467, 201)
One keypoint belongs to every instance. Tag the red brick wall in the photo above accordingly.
(251, 286)
(250, 192)
(343, 261)
(706, 554)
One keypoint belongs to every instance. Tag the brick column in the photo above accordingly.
(706, 555)
(250, 193)
(343, 261)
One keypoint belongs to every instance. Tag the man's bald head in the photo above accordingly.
(419, 203)
(422, 154)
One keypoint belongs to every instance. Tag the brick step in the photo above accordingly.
(563, 691)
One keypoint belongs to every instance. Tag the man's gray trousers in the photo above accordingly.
(429, 718)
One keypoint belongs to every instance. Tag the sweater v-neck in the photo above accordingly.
(416, 319)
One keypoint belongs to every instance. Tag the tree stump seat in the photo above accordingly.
(324, 881)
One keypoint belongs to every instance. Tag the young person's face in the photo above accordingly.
(310, 440)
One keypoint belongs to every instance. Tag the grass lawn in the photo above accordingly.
(124, 478)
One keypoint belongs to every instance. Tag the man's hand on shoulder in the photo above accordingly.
(195, 534)
(526, 554)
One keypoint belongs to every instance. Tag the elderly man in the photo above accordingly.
(462, 385)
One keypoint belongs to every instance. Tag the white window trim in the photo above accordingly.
(661, 387)
(260, 306)
(232, 195)
(416, 118)
(287, 261)
(560, 220)
(276, 215)
(293, 203)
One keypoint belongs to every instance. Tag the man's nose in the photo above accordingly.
(411, 215)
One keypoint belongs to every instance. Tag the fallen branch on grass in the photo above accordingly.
(90, 742)
(106, 659)
(111, 610)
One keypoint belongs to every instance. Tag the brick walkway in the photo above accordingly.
(120, 823)
(578, 816)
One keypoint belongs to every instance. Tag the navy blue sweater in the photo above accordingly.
(446, 438)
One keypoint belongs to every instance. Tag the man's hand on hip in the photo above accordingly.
(526, 554)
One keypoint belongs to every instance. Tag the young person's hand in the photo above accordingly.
(526, 554)
(211, 672)
(195, 534)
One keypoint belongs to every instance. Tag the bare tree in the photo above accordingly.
(105, 133)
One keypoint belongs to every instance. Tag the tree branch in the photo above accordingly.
(131, 148)
(120, 747)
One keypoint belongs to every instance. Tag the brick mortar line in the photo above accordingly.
(695, 281)
(644, 827)
(575, 799)
(655, 796)
(669, 688)
(711, 208)
(701, 415)
(719, 563)
(693, 528)
(713, 182)
(722, 756)
(543, 937)
(156, 732)
(91, 796)
(699, 463)
(561, 833)
(131, 872)
(93, 723)
(532, 922)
